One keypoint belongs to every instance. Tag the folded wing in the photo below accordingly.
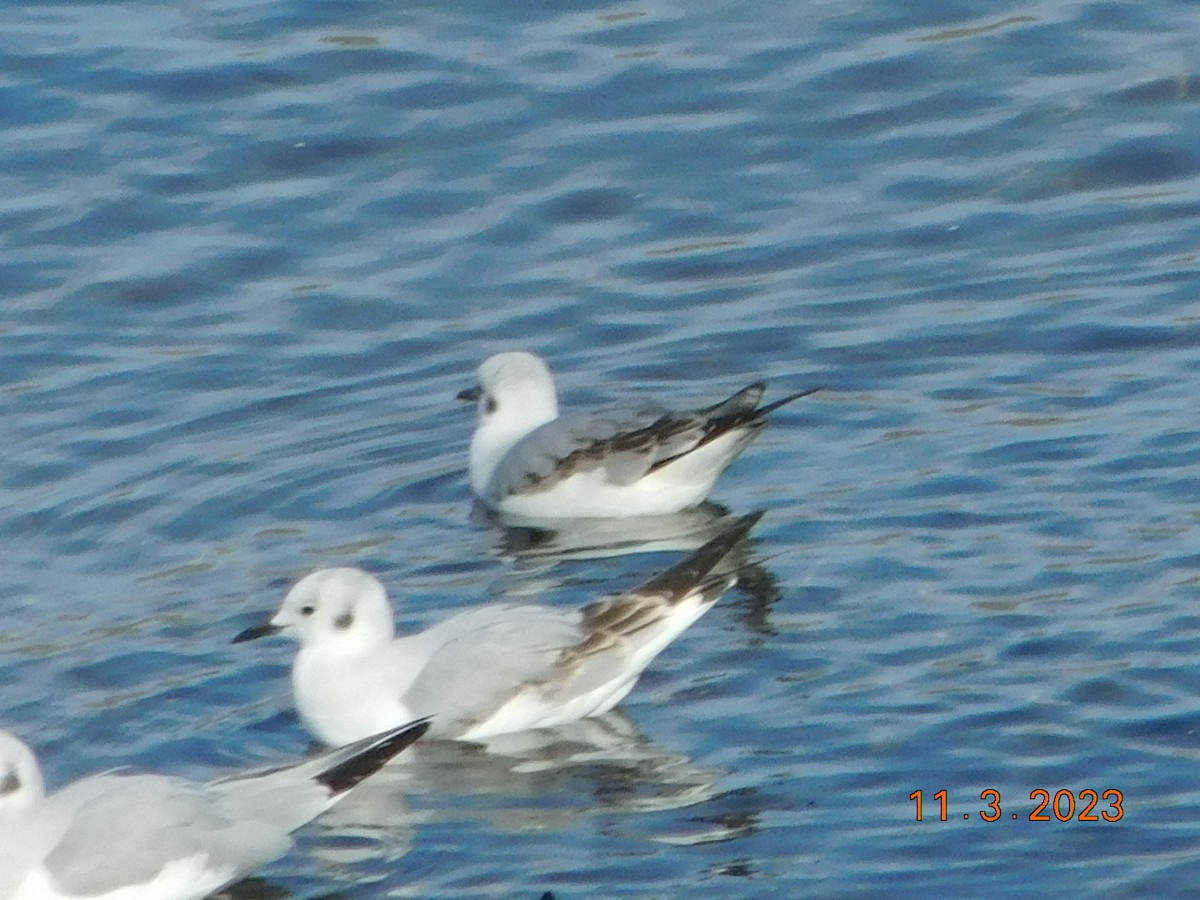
(626, 447)
(484, 657)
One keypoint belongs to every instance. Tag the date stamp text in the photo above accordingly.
(1061, 805)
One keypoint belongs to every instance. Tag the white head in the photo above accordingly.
(20, 777)
(515, 395)
(343, 609)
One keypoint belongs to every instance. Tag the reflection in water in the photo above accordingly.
(530, 782)
(537, 780)
(761, 588)
(541, 545)
(556, 540)
(538, 547)
(718, 826)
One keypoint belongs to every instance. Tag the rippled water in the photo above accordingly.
(252, 249)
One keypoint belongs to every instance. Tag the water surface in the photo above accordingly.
(251, 250)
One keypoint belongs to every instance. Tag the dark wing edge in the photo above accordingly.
(369, 755)
(739, 411)
(595, 451)
(684, 577)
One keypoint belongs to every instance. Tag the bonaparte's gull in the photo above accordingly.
(119, 836)
(490, 670)
(528, 460)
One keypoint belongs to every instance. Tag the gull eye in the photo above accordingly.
(307, 611)
(9, 784)
(490, 405)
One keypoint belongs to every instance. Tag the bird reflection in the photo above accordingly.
(543, 779)
(540, 545)
(555, 540)
(761, 589)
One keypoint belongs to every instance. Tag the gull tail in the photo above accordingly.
(763, 411)
(682, 579)
(743, 401)
(743, 406)
(643, 621)
(739, 412)
(366, 757)
(289, 796)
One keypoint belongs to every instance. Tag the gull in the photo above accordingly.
(491, 670)
(527, 460)
(118, 836)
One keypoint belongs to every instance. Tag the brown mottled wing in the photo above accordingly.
(739, 411)
(612, 626)
(678, 581)
(628, 448)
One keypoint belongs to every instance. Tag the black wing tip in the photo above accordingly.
(679, 580)
(724, 542)
(719, 546)
(742, 411)
(754, 387)
(744, 523)
(771, 407)
(349, 772)
(740, 401)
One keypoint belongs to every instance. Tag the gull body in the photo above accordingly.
(491, 670)
(528, 460)
(120, 836)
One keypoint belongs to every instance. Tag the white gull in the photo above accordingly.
(119, 836)
(490, 670)
(528, 460)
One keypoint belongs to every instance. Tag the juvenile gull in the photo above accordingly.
(490, 670)
(119, 836)
(528, 460)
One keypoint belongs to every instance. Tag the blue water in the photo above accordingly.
(249, 251)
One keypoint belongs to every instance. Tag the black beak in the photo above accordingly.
(470, 395)
(257, 631)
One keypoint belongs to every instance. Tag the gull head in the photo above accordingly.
(514, 396)
(344, 609)
(20, 777)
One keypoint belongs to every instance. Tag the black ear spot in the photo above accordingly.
(9, 784)
(344, 621)
(490, 405)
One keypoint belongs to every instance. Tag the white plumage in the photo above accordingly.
(528, 460)
(490, 670)
(152, 837)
